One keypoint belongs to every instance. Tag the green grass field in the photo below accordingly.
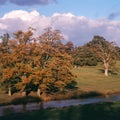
(93, 79)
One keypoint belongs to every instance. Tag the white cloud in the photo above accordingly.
(20, 19)
(23, 15)
(2, 26)
(78, 29)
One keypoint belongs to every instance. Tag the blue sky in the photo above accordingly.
(91, 17)
(90, 8)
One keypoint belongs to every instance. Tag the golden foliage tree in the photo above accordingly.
(39, 63)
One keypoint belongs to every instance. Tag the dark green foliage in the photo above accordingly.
(84, 57)
(97, 40)
(118, 52)
(71, 85)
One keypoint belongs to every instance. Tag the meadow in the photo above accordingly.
(92, 78)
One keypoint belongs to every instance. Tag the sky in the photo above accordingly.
(78, 20)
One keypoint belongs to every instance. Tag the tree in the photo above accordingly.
(15, 61)
(5, 71)
(27, 54)
(105, 50)
(84, 57)
(38, 64)
(56, 63)
(69, 48)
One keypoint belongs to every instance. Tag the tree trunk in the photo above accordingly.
(38, 92)
(9, 91)
(23, 93)
(106, 72)
(106, 68)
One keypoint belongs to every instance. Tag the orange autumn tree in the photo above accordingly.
(15, 64)
(27, 65)
(6, 72)
(39, 63)
(56, 63)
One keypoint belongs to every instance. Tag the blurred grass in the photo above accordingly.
(101, 111)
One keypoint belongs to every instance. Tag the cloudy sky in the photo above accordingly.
(79, 20)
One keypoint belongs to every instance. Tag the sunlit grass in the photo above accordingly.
(93, 79)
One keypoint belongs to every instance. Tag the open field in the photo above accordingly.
(93, 79)
(101, 111)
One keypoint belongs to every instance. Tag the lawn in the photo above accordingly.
(91, 78)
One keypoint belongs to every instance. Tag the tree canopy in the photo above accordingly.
(31, 64)
(105, 50)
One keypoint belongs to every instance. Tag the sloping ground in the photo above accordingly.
(91, 78)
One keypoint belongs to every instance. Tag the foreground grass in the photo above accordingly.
(101, 111)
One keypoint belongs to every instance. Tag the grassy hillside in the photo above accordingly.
(93, 79)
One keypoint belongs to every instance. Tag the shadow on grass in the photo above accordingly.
(25, 100)
(74, 94)
(110, 71)
(101, 111)
(90, 94)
